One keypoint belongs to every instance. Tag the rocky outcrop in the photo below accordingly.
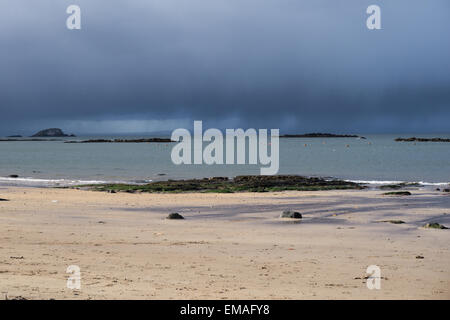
(52, 132)
(434, 225)
(414, 139)
(400, 185)
(238, 184)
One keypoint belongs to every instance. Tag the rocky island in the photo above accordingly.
(414, 139)
(51, 133)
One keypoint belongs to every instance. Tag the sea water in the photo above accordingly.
(377, 159)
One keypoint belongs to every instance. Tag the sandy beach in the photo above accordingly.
(230, 246)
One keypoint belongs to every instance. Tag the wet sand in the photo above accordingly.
(230, 246)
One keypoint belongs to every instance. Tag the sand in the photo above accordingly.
(230, 246)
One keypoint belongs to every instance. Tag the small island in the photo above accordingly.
(51, 133)
(321, 135)
(414, 139)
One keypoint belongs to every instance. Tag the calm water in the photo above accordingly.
(379, 158)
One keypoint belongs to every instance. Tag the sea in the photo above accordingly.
(378, 159)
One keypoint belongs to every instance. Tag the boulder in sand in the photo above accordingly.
(175, 216)
(291, 214)
(434, 225)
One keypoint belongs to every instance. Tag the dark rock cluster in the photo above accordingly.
(413, 139)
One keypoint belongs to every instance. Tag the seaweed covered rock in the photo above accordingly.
(291, 214)
(434, 225)
(238, 184)
(397, 193)
(393, 221)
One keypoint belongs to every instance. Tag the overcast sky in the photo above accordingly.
(297, 65)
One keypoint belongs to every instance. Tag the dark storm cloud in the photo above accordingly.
(299, 65)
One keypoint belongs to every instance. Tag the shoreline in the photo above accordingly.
(68, 182)
(229, 246)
